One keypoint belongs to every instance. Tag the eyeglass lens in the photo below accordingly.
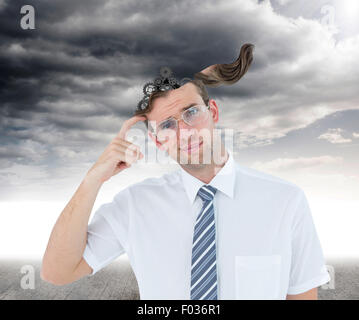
(191, 116)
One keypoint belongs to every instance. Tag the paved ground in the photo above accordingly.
(117, 281)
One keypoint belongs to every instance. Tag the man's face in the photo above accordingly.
(188, 144)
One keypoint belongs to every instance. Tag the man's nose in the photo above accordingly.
(185, 131)
(183, 125)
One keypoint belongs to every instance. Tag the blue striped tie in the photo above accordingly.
(204, 268)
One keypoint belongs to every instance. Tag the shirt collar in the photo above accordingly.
(223, 181)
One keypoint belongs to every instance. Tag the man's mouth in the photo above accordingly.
(192, 147)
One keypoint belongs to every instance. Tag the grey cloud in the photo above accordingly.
(73, 80)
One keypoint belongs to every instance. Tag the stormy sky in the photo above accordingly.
(67, 86)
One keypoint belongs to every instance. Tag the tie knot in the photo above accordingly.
(207, 192)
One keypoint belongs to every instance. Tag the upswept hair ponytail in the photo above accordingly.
(227, 73)
(212, 76)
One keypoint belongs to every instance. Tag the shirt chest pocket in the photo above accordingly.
(257, 277)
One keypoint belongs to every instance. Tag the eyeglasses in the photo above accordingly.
(192, 116)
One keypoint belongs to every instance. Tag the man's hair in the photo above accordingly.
(218, 74)
(201, 89)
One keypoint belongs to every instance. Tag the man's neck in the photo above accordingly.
(207, 172)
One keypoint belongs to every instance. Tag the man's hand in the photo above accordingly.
(118, 155)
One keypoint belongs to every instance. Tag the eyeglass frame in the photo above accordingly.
(155, 134)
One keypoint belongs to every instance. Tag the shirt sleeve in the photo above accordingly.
(107, 234)
(308, 268)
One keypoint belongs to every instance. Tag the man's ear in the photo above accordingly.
(213, 110)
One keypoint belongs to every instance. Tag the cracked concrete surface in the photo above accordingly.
(118, 282)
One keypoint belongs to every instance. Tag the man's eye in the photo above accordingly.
(165, 125)
(192, 111)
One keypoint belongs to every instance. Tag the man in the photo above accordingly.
(266, 244)
(213, 229)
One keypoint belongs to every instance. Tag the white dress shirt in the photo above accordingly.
(267, 245)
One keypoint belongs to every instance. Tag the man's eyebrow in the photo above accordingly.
(189, 106)
(184, 108)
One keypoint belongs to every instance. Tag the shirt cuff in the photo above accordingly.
(323, 278)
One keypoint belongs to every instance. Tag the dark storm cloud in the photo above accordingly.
(72, 81)
(84, 55)
(127, 40)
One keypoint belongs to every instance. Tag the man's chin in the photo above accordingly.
(193, 158)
